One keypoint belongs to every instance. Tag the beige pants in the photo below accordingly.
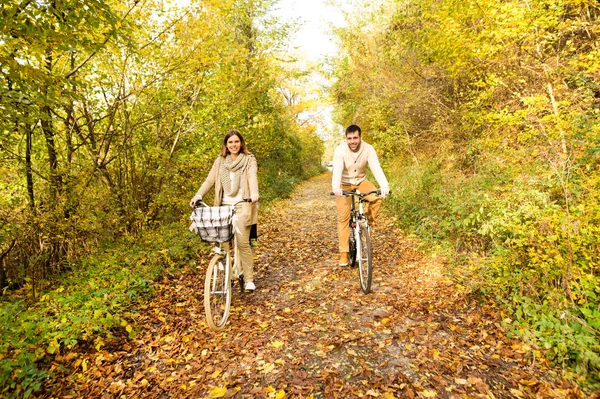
(242, 234)
(343, 205)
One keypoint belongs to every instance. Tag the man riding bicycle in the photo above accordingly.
(350, 161)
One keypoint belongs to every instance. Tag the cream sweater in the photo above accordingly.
(351, 167)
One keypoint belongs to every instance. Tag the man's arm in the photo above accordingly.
(336, 174)
(375, 168)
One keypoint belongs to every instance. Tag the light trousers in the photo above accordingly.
(344, 204)
(242, 234)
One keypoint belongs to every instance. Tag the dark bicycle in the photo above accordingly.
(360, 238)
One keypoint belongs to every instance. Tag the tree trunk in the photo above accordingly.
(48, 129)
(28, 168)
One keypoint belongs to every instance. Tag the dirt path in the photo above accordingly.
(308, 330)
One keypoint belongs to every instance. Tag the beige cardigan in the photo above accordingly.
(351, 168)
(249, 187)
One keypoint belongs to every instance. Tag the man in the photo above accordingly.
(350, 161)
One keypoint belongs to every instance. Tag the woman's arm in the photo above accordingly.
(253, 178)
(210, 180)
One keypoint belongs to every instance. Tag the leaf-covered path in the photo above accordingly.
(309, 331)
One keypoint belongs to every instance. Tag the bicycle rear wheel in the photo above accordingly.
(217, 292)
(352, 249)
(365, 259)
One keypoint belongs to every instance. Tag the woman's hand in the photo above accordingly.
(193, 200)
(254, 198)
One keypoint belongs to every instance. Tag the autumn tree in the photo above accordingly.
(488, 112)
(114, 111)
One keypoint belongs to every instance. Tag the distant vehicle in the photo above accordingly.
(329, 165)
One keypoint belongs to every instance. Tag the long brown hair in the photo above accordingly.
(233, 132)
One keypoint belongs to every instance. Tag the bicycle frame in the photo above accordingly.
(357, 215)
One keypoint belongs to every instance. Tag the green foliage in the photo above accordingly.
(89, 305)
(115, 111)
(487, 115)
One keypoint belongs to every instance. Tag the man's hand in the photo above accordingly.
(254, 198)
(338, 192)
(384, 191)
(193, 200)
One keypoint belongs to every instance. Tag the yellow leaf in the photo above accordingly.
(144, 382)
(460, 381)
(216, 373)
(183, 387)
(388, 395)
(280, 394)
(516, 393)
(264, 325)
(268, 368)
(385, 320)
(217, 392)
(277, 344)
(269, 389)
(428, 394)
(371, 392)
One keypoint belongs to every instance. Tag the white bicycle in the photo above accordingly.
(216, 225)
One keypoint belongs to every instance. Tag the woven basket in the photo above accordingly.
(214, 223)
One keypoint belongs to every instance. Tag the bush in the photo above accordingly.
(89, 305)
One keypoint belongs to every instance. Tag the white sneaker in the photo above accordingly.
(249, 286)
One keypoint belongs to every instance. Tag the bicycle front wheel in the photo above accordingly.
(217, 292)
(365, 258)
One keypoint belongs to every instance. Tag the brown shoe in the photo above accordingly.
(343, 259)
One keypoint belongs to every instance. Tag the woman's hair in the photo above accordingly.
(233, 132)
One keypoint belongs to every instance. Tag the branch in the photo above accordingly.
(108, 35)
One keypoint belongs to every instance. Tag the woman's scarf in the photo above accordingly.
(228, 165)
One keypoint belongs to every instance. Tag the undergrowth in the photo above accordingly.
(89, 305)
(515, 242)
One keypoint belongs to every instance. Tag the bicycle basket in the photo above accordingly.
(213, 223)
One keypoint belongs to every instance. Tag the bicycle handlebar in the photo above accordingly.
(354, 192)
(199, 202)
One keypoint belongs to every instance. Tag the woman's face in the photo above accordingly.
(234, 144)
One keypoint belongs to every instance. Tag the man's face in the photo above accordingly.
(353, 139)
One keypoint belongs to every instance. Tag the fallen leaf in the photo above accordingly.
(217, 392)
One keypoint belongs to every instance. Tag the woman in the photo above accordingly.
(233, 175)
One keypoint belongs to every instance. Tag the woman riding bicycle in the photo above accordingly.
(233, 174)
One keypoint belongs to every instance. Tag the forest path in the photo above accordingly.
(309, 331)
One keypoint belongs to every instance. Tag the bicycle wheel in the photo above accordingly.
(217, 292)
(365, 260)
(351, 249)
